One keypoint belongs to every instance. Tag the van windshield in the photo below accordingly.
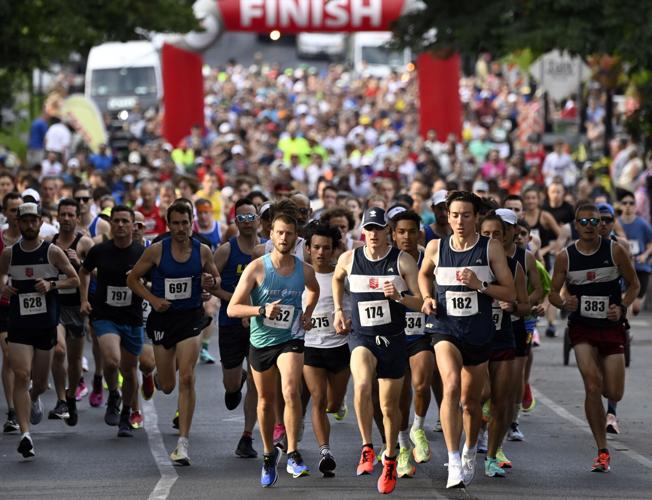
(382, 56)
(123, 81)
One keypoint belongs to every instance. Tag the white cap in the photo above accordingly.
(395, 210)
(237, 150)
(28, 209)
(507, 215)
(439, 197)
(480, 186)
(224, 128)
(33, 193)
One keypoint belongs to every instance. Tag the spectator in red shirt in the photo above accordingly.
(154, 221)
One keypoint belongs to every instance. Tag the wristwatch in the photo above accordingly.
(261, 311)
(53, 285)
(483, 287)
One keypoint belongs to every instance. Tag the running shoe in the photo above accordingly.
(491, 468)
(60, 411)
(551, 331)
(342, 412)
(82, 390)
(612, 424)
(367, 460)
(404, 465)
(279, 437)
(387, 479)
(232, 399)
(514, 433)
(180, 454)
(529, 401)
(205, 356)
(269, 473)
(421, 450)
(486, 411)
(96, 397)
(295, 465)
(327, 464)
(245, 448)
(455, 476)
(73, 416)
(437, 427)
(10, 424)
(26, 446)
(601, 462)
(124, 427)
(503, 461)
(147, 387)
(112, 413)
(36, 412)
(175, 420)
(120, 380)
(136, 420)
(468, 465)
(483, 440)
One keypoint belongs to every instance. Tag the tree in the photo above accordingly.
(618, 28)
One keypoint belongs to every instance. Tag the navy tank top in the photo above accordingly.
(178, 282)
(233, 269)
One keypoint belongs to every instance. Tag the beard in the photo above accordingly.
(29, 235)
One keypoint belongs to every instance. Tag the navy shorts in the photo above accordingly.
(522, 338)
(390, 352)
(234, 345)
(472, 355)
(418, 343)
(131, 337)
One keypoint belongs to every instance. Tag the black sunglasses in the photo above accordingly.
(607, 220)
(594, 221)
(85, 199)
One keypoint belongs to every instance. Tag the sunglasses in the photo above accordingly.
(84, 199)
(245, 218)
(627, 203)
(594, 221)
(607, 220)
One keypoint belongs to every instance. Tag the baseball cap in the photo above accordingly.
(374, 216)
(29, 208)
(395, 210)
(237, 150)
(480, 186)
(439, 197)
(33, 193)
(507, 215)
(606, 207)
(264, 208)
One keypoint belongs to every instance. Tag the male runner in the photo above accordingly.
(231, 259)
(269, 292)
(33, 266)
(592, 268)
(116, 315)
(470, 270)
(326, 358)
(379, 277)
(177, 318)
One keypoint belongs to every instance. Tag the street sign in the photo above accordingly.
(559, 73)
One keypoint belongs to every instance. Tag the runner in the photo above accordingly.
(440, 228)
(116, 315)
(231, 259)
(326, 364)
(177, 317)
(269, 292)
(34, 266)
(470, 270)
(591, 268)
(379, 277)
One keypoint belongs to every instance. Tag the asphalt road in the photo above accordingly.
(89, 461)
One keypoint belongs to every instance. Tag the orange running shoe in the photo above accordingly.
(601, 462)
(367, 460)
(387, 479)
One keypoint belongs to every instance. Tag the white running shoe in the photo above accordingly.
(180, 454)
(514, 433)
(468, 465)
(455, 479)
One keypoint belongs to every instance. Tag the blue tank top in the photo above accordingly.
(372, 313)
(462, 312)
(214, 235)
(595, 281)
(286, 326)
(92, 227)
(28, 308)
(429, 233)
(233, 269)
(178, 282)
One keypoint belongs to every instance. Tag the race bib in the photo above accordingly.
(374, 312)
(118, 296)
(147, 308)
(178, 288)
(634, 247)
(283, 318)
(66, 291)
(322, 323)
(497, 316)
(415, 322)
(592, 306)
(32, 303)
(461, 303)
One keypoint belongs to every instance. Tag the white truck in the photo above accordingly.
(369, 55)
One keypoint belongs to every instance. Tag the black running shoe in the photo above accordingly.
(60, 411)
(245, 448)
(327, 465)
(124, 429)
(10, 424)
(232, 399)
(26, 447)
(112, 415)
(73, 417)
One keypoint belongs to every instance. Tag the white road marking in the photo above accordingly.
(584, 427)
(168, 475)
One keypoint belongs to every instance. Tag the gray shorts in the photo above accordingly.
(74, 321)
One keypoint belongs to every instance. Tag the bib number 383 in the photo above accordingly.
(461, 303)
(592, 306)
(32, 303)
(282, 319)
(374, 312)
(178, 288)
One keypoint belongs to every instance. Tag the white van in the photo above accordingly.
(119, 75)
(370, 56)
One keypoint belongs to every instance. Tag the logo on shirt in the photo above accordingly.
(29, 272)
(458, 275)
(390, 270)
(373, 283)
(591, 275)
(478, 261)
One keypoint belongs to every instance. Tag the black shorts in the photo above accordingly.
(522, 339)
(4, 318)
(171, 327)
(262, 359)
(42, 338)
(419, 344)
(643, 279)
(472, 355)
(331, 359)
(390, 353)
(233, 341)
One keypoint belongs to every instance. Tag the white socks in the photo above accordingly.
(404, 439)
